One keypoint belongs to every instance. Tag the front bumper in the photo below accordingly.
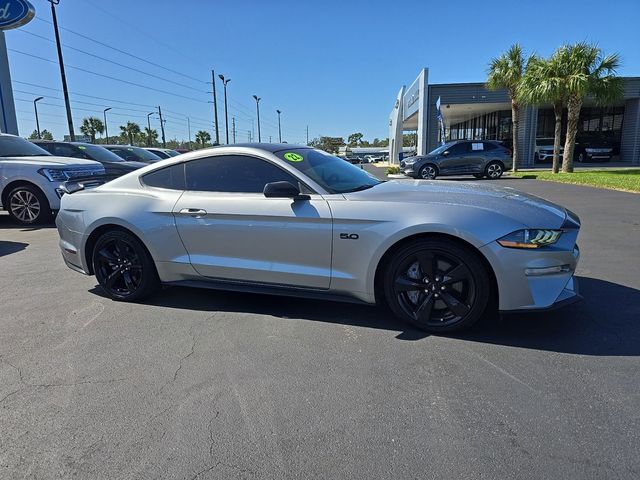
(533, 280)
(546, 157)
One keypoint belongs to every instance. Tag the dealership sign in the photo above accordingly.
(15, 13)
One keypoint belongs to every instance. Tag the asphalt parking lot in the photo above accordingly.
(200, 384)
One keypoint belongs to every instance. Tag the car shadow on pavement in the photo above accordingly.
(6, 222)
(606, 322)
(7, 248)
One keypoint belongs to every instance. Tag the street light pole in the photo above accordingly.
(35, 107)
(233, 131)
(149, 129)
(67, 105)
(257, 99)
(106, 130)
(215, 106)
(164, 142)
(279, 130)
(226, 112)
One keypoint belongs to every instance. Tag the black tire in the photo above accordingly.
(437, 285)
(581, 157)
(428, 172)
(536, 158)
(494, 170)
(28, 205)
(123, 267)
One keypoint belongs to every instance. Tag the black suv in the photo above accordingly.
(480, 158)
(114, 166)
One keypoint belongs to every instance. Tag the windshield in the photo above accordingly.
(11, 146)
(100, 154)
(332, 173)
(440, 149)
(135, 154)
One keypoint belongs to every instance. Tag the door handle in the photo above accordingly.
(193, 212)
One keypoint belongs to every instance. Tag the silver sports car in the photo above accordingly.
(291, 220)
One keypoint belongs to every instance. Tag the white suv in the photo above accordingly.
(31, 179)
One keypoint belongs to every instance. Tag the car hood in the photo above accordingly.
(529, 210)
(52, 161)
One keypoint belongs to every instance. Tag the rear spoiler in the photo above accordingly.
(79, 184)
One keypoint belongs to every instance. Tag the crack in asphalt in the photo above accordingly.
(26, 384)
(192, 350)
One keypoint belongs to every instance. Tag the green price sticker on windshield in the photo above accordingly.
(293, 157)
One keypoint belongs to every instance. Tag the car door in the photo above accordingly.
(233, 232)
(453, 162)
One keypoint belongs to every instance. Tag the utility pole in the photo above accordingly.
(233, 123)
(257, 99)
(65, 91)
(35, 107)
(164, 142)
(269, 138)
(189, 127)
(249, 135)
(106, 130)
(215, 107)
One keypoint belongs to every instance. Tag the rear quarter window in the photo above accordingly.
(171, 177)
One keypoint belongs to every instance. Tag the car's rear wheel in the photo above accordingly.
(28, 205)
(123, 267)
(581, 157)
(437, 285)
(428, 172)
(494, 170)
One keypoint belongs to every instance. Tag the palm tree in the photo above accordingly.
(151, 135)
(131, 130)
(543, 82)
(506, 72)
(90, 126)
(587, 72)
(202, 137)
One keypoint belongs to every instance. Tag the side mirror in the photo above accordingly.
(283, 190)
(445, 153)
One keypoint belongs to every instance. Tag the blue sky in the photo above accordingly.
(334, 66)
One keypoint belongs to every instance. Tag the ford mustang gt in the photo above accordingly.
(283, 219)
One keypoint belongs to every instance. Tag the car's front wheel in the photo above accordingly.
(437, 285)
(428, 172)
(28, 205)
(123, 267)
(494, 170)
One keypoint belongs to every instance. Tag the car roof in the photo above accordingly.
(268, 147)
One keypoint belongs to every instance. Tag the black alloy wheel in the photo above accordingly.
(428, 172)
(437, 285)
(123, 267)
(28, 205)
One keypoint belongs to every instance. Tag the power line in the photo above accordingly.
(107, 76)
(114, 62)
(123, 52)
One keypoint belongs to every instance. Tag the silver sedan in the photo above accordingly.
(291, 220)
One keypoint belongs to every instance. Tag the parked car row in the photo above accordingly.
(32, 174)
(586, 150)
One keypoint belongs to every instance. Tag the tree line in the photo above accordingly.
(564, 80)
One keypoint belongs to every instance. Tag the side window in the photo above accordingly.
(171, 177)
(489, 146)
(459, 148)
(233, 173)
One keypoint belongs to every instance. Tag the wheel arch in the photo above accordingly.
(388, 254)
(97, 233)
(17, 183)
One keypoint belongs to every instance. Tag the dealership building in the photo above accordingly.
(471, 111)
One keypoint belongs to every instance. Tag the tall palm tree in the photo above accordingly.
(90, 126)
(151, 135)
(587, 72)
(202, 137)
(131, 130)
(506, 72)
(543, 82)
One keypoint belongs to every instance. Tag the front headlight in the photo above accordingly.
(53, 174)
(410, 161)
(530, 238)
